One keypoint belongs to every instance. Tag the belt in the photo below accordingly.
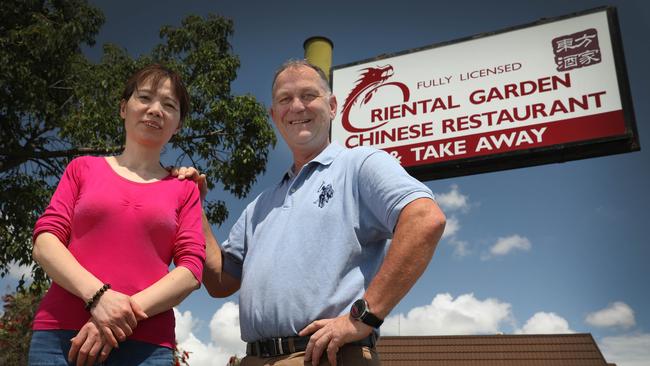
(272, 347)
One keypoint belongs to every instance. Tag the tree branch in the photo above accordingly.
(11, 159)
(202, 136)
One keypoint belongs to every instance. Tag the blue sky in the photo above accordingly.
(573, 237)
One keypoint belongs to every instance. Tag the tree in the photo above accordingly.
(56, 104)
(16, 324)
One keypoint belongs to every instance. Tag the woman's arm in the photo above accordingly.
(189, 256)
(216, 281)
(167, 292)
(88, 346)
(164, 294)
(115, 313)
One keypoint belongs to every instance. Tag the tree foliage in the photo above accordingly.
(16, 324)
(56, 104)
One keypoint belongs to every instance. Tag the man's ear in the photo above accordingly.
(272, 114)
(333, 105)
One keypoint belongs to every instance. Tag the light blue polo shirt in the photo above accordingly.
(308, 247)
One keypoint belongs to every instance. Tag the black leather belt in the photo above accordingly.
(273, 347)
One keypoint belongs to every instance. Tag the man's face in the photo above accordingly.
(302, 109)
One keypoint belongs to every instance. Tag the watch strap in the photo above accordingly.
(371, 319)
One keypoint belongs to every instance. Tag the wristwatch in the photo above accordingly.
(361, 312)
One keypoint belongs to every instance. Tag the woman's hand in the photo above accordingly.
(89, 346)
(116, 315)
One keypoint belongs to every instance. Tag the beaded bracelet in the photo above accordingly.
(96, 296)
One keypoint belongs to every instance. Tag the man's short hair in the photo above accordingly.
(293, 63)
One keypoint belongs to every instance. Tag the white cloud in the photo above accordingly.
(16, 271)
(453, 200)
(224, 334)
(618, 314)
(461, 247)
(451, 227)
(224, 328)
(545, 323)
(464, 315)
(626, 350)
(508, 244)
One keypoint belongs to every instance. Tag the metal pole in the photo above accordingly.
(318, 51)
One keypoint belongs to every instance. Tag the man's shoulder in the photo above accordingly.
(266, 194)
(359, 153)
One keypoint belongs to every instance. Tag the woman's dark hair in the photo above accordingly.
(156, 74)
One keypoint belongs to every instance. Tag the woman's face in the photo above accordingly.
(151, 116)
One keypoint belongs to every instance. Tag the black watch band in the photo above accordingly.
(361, 312)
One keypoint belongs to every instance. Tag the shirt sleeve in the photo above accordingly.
(385, 188)
(233, 248)
(57, 218)
(189, 247)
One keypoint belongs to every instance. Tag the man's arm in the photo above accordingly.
(418, 230)
(216, 281)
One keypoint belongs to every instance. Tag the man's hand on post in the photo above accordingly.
(330, 335)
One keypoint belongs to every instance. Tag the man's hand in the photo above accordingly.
(192, 174)
(330, 335)
(87, 345)
(116, 315)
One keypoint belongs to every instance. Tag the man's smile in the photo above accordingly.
(299, 121)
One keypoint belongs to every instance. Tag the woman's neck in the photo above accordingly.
(142, 162)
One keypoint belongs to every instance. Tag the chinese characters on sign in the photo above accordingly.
(576, 50)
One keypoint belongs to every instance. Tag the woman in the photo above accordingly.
(108, 236)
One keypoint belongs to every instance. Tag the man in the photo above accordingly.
(309, 254)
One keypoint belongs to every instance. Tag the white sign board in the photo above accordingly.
(541, 88)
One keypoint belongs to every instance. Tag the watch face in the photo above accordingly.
(358, 308)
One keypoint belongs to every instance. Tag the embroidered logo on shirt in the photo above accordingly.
(325, 192)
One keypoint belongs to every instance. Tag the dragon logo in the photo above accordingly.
(371, 79)
(325, 192)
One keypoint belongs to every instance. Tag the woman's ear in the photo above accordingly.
(123, 109)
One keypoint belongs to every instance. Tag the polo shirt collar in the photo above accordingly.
(326, 157)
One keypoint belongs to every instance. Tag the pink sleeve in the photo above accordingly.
(189, 247)
(57, 217)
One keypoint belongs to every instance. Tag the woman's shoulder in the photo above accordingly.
(185, 189)
(85, 162)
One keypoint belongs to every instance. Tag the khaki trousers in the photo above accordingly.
(349, 355)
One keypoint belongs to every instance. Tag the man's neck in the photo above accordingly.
(300, 159)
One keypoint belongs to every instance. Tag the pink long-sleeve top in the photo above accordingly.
(125, 233)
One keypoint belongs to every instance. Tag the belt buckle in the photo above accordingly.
(271, 348)
(277, 344)
(264, 349)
